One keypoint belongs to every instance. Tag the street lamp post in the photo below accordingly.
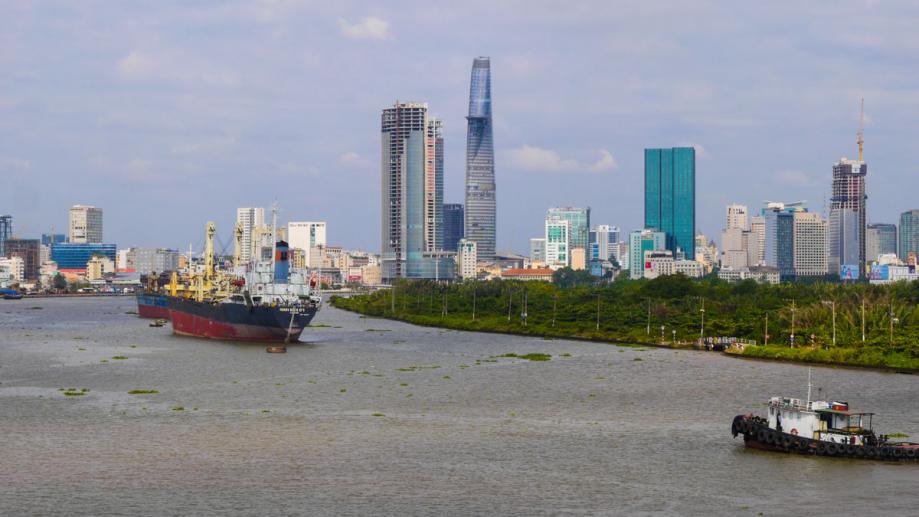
(674, 337)
(702, 326)
(766, 330)
(598, 311)
(832, 304)
(662, 334)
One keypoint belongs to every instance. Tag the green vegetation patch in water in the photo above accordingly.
(120, 357)
(143, 392)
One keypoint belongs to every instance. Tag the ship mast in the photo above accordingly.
(808, 387)
(274, 235)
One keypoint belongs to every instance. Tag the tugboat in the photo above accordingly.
(819, 428)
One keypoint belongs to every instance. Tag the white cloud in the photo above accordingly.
(605, 162)
(792, 177)
(538, 159)
(366, 28)
(546, 160)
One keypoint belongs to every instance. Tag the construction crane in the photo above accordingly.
(860, 138)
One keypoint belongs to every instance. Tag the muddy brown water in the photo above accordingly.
(368, 416)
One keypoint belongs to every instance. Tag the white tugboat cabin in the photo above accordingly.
(820, 420)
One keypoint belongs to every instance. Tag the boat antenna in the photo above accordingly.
(809, 386)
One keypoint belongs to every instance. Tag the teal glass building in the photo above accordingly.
(670, 197)
(909, 234)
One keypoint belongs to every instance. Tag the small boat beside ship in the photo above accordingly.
(820, 428)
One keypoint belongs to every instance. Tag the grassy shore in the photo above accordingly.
(639, 313)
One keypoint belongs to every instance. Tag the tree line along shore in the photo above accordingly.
(846, 324)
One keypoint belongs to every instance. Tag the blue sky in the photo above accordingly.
(171, 113)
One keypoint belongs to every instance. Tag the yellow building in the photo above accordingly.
(98, 267)
(578, 259)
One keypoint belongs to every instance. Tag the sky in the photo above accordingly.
(171, 113)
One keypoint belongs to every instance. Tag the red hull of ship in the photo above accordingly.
(191, 325)
(150, 311)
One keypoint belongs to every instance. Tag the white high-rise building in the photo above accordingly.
(558, 240)
(810, 244)
(307, 236)
(249, 218)
(85, 225)
(466, 258)
(736, 217)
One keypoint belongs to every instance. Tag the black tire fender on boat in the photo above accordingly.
(897, 452)
(885, 452)
(803, 444)
(850, 449)
(911, 453)
(821, 448)
(761, 435)
(860, 451)
(786, 441)
(871, 452)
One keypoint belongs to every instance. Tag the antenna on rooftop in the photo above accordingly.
(860, 137)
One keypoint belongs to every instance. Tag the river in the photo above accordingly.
(373, 416)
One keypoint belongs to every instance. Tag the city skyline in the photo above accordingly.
(201, 125)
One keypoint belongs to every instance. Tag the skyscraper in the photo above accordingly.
(810, 257)
(780, 237)
(250, 218)
(880, 239)
(579, 224)
(453, 225)
(85, 224)
(412, 194)
(847, 210)
(909, 234)
(434, 187)
(847, 215)
(670, 197)
(480, 163)
(604, 243)
(6, 232)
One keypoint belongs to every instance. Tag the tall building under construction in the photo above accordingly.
(412, 194)
(848, 218)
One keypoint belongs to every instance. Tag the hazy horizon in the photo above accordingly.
(168, 115)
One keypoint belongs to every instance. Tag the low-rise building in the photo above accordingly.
(12, 269)
(761, 274)
(371, 274)
(538, 274)
(578, 259)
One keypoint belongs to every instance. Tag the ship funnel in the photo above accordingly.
(281, 262)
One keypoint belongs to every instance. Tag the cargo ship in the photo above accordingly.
(152, 305)
(269, 303)
(819, 428)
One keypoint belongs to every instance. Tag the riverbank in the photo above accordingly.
(848, 357)
(870, 356)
